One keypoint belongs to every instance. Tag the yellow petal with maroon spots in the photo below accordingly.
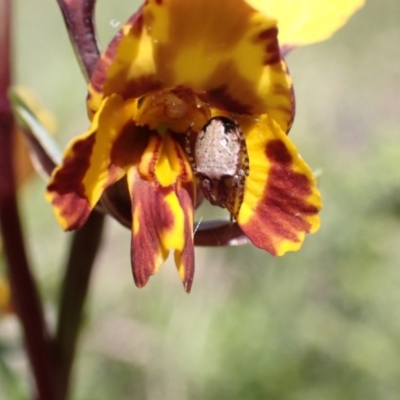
(92, 162)
(281, 201)
(305, 22)
(225, 51)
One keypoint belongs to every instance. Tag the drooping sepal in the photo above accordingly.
(149, 215)
(94, 161)
(162, 211)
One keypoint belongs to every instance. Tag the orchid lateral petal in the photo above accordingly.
(78, 17)
(219, 233)
(44, 150)
(92, 162)
(235, 66)
(281, 201)
(305, 22)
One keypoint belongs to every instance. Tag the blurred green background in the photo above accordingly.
(322, 323)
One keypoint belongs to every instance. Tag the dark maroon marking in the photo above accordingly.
(268, 34)
(159, 2)
(220, 97)
(145, 244)
(271, 46)
(67, 183)
(286, 188)
(74, 208)
(137, 27)
(277, 153)
(141, 86)
(280, 214)
(70, 192)
(161, 210)
(69, 178)
(191, 188)
(272, 54)
(130, 144)
(154, 159)
(184, 174)
(99, 74)
(155, 216)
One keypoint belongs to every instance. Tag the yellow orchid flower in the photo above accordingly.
(190, 99)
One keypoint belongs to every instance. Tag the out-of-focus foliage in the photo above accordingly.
(322, 323)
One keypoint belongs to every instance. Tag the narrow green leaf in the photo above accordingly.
(44, 150)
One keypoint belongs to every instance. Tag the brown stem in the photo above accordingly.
(218, 233)
(24, 291)
(78, 17)
(84, 246)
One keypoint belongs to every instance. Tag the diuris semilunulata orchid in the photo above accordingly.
(171, 68)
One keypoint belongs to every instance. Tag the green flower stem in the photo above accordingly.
(24, 290)
(85, 243)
